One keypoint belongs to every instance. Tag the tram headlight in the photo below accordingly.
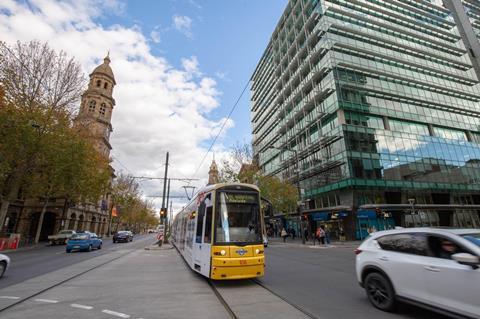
(223, 252)
(257, 251)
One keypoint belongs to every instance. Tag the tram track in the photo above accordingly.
(50, 287)
(222, 300)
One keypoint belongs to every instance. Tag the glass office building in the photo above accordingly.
(378, 105)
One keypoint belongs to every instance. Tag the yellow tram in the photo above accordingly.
(220, 232)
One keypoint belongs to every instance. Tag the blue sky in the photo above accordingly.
(227, 37)
(179, 67)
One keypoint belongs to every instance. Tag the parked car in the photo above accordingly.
(151, 231)
(61, 238)
(4, 264)
(436, 268)
(123, 235)
(84, 241)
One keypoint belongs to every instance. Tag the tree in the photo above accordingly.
(134, 210)
(42, 154)
(241, 166)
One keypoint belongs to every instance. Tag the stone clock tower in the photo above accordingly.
(96, 107)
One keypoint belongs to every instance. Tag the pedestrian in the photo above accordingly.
(305, 233)
(327, 235)
(320, 235)
(342, 234)
(293, 233)
(283, 234)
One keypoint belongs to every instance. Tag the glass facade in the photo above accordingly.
(376, 97)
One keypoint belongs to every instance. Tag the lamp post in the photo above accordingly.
(299, 204)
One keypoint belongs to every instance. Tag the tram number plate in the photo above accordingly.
(243, 262)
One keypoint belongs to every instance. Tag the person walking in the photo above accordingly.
(283, 234)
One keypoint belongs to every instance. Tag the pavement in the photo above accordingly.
(310, 244)
(137, 283)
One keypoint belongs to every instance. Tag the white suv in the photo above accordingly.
(431, 267)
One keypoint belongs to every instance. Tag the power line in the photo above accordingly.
(221, 129)
(121, 164)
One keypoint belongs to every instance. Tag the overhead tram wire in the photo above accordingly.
(221, 129)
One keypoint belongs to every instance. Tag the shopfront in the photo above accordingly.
(333, 221)
(372, 220)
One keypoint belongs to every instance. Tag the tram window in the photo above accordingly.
(238, 218)
(201, 214)
(208, 225)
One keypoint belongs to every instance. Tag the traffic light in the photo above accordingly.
(163, 212)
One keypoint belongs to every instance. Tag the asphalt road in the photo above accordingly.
(323, 282)
(30, 263)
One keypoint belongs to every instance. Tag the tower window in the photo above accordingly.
(99, 83)
(91, 106)
(105, 85)
(103, 107)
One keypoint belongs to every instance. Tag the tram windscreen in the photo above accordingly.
(238, 218)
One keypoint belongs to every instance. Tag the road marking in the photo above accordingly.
(114, 313)
(9, 297)
(46, 300)
(75, 305)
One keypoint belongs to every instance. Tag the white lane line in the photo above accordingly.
(46, 300)
(76, 305)
(114, 313)
(9, 297)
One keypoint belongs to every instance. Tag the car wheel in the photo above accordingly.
(100, 246)
(114, 241)
(380, 291)
(89, 248)
(69, 251)
(3, 267)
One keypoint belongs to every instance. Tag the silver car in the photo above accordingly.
(436, 268)
(4, 264)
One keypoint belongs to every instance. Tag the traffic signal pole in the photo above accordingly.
(163, 209)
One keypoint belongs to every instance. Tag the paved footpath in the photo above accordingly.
(137, 284)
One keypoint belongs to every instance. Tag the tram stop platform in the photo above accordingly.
(138, 284)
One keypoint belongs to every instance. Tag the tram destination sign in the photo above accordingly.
(233, 198)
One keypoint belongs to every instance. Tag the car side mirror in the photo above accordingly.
(467, 259)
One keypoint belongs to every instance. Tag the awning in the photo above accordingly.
(320, 216)
(366, 214)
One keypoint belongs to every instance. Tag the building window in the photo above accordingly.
(103, 107)
(105, 85)
(91, 106)
(99, 83)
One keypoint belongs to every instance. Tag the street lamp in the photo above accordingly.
(299, 204)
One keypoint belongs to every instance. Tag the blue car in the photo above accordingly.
(84, 242)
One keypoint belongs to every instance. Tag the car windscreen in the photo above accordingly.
(123, 233)
(79, 236)
(474, 238)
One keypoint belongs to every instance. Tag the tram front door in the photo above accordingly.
(203, 237)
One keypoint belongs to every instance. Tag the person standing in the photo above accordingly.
(283, 234)
(327, 235)
(320, 235)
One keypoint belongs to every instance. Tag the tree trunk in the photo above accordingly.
(40, 221)
(3, 213)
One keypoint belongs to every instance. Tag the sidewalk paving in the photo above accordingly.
(277, 241)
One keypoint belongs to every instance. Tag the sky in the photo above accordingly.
(179, 65)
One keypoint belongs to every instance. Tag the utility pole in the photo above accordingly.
(166, 210)
(164, 192)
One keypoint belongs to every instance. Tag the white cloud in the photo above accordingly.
(183, 24)
(158, 107)
(155, 35)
